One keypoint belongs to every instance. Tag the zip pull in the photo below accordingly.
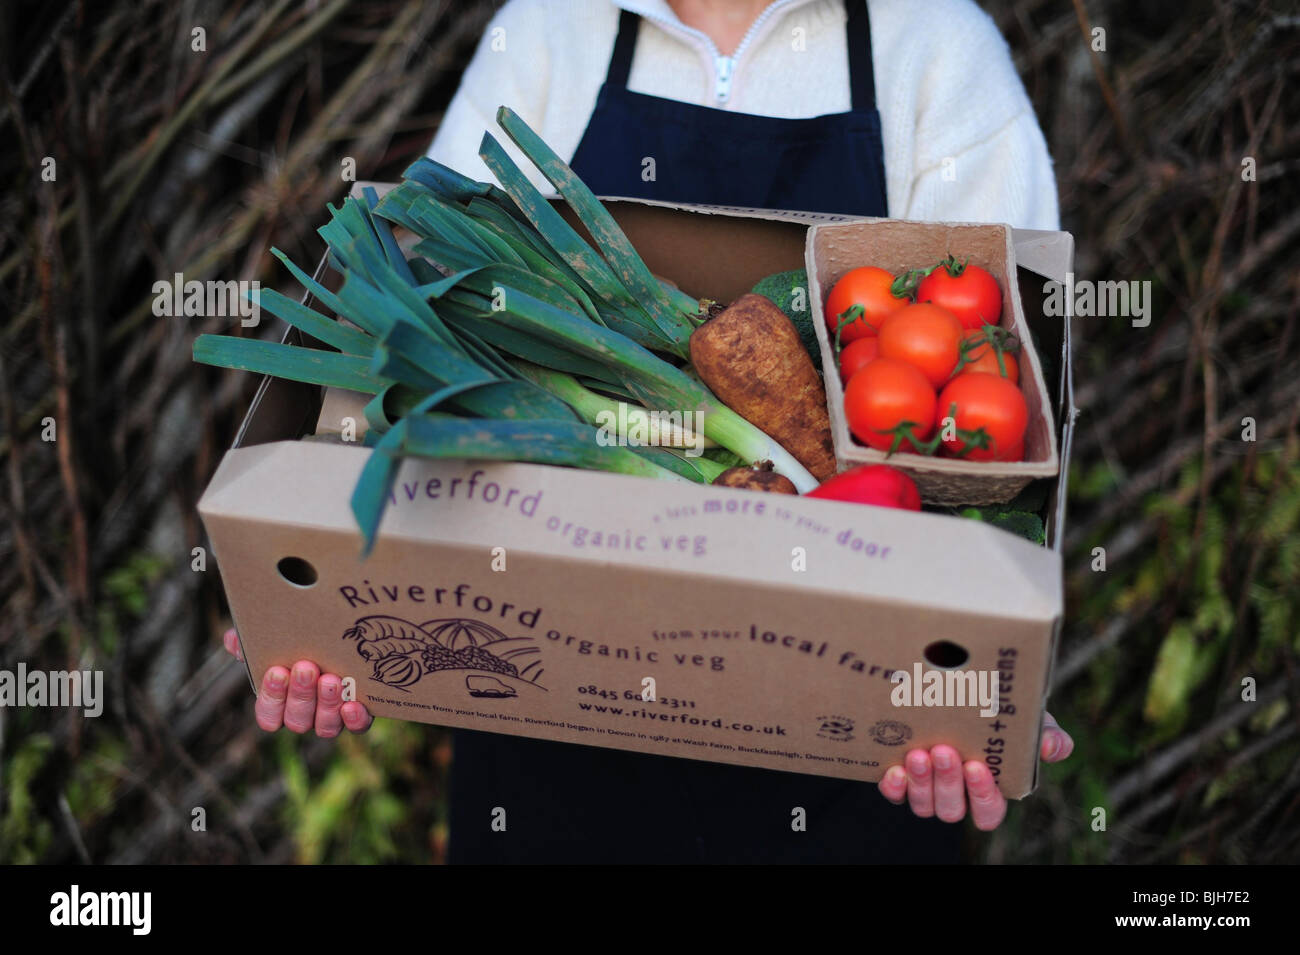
(725, 66)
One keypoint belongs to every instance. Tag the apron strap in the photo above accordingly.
(862, 81)
(620, 64)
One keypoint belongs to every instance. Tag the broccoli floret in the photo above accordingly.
(1021, 523)
(788, 290)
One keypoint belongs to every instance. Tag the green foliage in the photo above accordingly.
(130, 582)
(1172, 680)
(125, 598)
(1215, 587)
(25, 832)
(91, 786)
(1095, 482)
(33, 771)
(1270, 716)
(356, 812)
(1225, 784)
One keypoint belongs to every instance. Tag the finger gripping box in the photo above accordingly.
(684, 620)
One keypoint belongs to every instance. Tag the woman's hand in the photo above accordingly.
(303, 699)
(938, 784)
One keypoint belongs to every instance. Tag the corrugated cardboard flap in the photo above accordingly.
(714, 532)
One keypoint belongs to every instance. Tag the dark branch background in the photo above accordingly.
(170, 160)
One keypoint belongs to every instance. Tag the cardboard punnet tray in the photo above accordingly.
(898, 245)
(540, 601)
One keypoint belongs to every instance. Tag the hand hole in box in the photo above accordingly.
(297, 571)
(946, 655)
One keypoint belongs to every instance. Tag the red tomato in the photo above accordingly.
(968, 291)
(857, 355)
(867, 290)
(877, 484)
(981, 356)
(988, 406)
(926, 336)
(890, 398)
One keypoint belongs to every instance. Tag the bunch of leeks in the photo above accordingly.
(505, 336)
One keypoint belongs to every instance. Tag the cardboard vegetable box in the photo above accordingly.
(683, 620)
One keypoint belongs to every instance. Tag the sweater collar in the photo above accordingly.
(660, 11)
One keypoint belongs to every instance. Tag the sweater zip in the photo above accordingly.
(724, 66)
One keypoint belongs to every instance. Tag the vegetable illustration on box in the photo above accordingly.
(402, 652)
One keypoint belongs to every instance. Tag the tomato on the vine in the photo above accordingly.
(857, 355)
(888, 402)
(926, 336)
(981, 355)
(968, 291)
(859, 302)
(989, 418)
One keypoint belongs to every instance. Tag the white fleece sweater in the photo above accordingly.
(960, 137)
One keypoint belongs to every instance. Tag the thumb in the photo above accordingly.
(231, 639)
(1057, 743)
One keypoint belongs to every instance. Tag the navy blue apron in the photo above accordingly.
(580, 804)
(831, 163)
